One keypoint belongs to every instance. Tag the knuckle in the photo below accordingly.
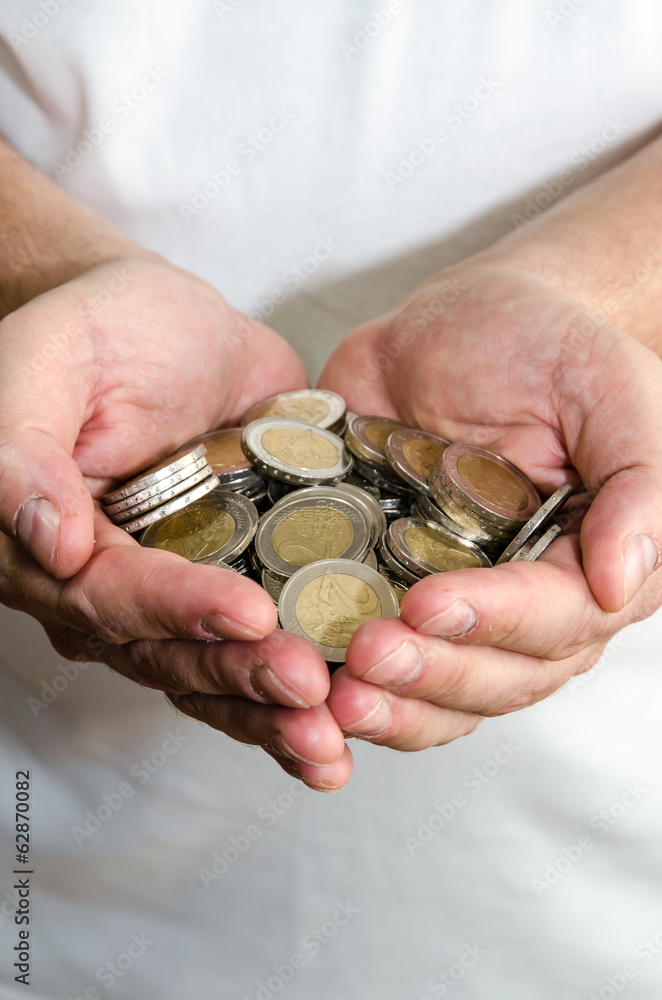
(76, 607)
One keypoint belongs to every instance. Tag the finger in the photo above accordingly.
(281, 669)
(544, 608)
(44, 502)
(362, 710)
(482, 680)
(301, 735)
(43, 498)
(613, 423)
(330, 778)
(128, 592)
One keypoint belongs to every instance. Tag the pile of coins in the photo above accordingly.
(335, 514)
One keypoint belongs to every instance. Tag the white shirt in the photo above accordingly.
(337, 156)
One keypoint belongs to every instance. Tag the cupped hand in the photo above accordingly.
(490, 354)
(99, 378)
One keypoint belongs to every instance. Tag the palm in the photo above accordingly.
(485, 370)
(165, 359)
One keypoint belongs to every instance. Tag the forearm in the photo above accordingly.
(603, 245)
(47, 236)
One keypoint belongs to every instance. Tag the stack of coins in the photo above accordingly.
(314, 524)
(487, 498)
(336, 530)
(170, 486)
(367, 437)
(227, 461)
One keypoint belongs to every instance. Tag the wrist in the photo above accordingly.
(49, 237)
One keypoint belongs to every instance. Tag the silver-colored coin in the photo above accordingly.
(273, 584)
(485, 485)
(218, 527)
(296, 452)
(327, 601)
(424, 547)
(163, 496)
(394, 565)
(179, 502)
(536, 545)
(152, 491)
(413, 455)
(302, 529)
(366, 437)
(163, 470)
(319, 407)
(535, 525)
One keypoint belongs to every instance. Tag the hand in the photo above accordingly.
(490, 354)
(100, 377)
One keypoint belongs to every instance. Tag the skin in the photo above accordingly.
(512, 361)
(553, 394)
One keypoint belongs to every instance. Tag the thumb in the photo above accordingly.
(619, 453)
(44, 501)
(620, 535)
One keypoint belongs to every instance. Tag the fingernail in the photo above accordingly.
(218, 627)
(640, 556)
(401, 667)
(283, 749)
(375, 722)
(456, 620)
(37, 527)
(266, 684)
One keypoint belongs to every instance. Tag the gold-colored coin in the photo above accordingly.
(443, 554)
(225, 450)
(330, 608)
(492, 482)
(195, 533)
(313, 533)
(379, 433)
(309, 409)
(423, 455)
(301, 448)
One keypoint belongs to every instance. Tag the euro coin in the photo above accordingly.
(163, 495)
(152, 491)
(413, 455)
(163, 470)
(394, 565)
(313, 406)
(425, 548)
(327, 601)
(303, 529)
(425, 509)
(366, 437)
(536, 545)
(220, 527)
(484, 485)
(535, 525)
(295, 452)
(178, 503)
